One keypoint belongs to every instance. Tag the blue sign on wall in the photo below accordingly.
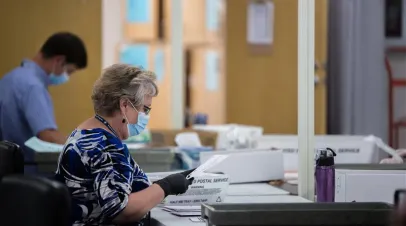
(212, 70)
(159, 62)
(136, 55)
(138, 11)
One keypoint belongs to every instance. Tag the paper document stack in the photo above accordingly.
(205, 188)
(42, 146)
(183, 211)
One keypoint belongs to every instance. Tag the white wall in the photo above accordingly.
(112, 31)
(398, 62)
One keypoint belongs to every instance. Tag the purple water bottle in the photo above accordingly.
(325, 175)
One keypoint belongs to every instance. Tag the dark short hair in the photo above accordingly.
(68, 45)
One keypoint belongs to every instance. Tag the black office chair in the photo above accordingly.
(11, 159)
(33, 201)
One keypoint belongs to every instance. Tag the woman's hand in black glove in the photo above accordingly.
(187, 172)
(174, 184)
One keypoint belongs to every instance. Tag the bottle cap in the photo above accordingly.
(326, 157)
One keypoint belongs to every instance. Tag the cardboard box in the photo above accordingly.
(141, 19)
(150, 20)
(166, 137)
(259, 165)
(368, 185)
(203, 21)
(161, 115)
(349, 149)
(209, 188)
(207, 83)
(136, 53)
(238, 131)
(156, 57)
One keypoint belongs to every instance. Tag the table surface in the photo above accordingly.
(254, 189)
(291, 188)
(263, 195)
(164, 218)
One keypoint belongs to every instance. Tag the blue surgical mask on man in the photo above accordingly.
(59, 79)
(142, 122)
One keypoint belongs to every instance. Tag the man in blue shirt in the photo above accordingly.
(26, 108)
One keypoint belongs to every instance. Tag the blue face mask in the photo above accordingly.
(142, 122)
(58, 79)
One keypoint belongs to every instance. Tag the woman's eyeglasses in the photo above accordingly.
(147, 110)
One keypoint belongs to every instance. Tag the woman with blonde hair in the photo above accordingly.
(107, 185)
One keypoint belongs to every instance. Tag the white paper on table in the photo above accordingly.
(42, 146)
(292, 182)
(291, 176)
(135, 145)
(186, 214)
(182, 211)
(189, 139)
(260, 22)
(183, 208)
(210, 163)
(197, 219)
(379, 142)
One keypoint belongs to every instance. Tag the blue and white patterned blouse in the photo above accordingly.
(100, 173)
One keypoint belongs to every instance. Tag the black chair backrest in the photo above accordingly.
(33, 201)
(1, 134)
(11, 158)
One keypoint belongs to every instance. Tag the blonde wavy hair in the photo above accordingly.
(122, 81)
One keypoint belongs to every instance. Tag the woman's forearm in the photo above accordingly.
(140, 203)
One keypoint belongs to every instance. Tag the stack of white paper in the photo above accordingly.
(205, 188)
(210, 163)
(42, 146)
(183, 210)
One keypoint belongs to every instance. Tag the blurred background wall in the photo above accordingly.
(25, 25)
(228, 79)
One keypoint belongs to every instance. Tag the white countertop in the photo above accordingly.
(254, 189)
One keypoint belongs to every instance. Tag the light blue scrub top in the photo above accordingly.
(25, 105)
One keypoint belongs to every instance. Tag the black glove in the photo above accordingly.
(187, 172)
(174, 184)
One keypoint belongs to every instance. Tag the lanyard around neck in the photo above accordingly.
(102, 120)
